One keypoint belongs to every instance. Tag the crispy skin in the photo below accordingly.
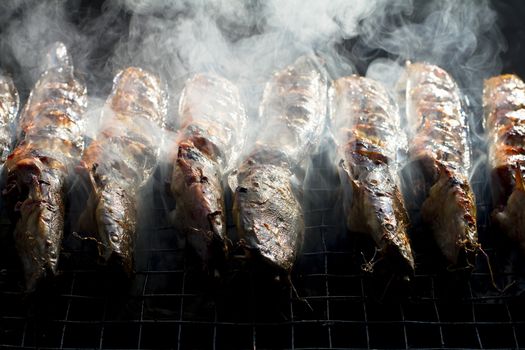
(212, 119)
(366, 127)
(504, 109)
(9, 101)
(120, 160)
(439, 147)
(50, 142)
(267, 212)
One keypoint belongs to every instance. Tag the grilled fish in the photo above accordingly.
(504, 109)
(439, 148)
(9, 101)
(120, 160)
(49, 143)
(367, 129)
(212, 119)
(266, 210)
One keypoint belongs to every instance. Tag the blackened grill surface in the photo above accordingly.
(170, 304)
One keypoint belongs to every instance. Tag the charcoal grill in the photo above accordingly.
(333, 304)
(171, 304)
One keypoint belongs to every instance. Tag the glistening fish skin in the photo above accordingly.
(212, 119)
(504, 109)
(268, 216)
(9, 102)
(50, 143)
(367, 129)
(439, 147)
(120, 160)
(267, 212)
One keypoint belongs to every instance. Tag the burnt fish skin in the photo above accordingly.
(121, 158)
(266, 210)
(49, 144)
(438, 138)
(212, 121)
(504, 109)
(366, 126)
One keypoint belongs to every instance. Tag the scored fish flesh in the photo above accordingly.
(504, 109)
(212, 120)
(439, 147)
(120, 160)
(49, 144)
(366, 126)
(266, 210)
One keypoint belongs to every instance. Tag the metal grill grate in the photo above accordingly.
(170, 304)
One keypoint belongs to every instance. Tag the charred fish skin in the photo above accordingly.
(504, 110)
(367, 128)
(267, 212)
(9, 103)
(268, 216)
(49, 143)
(212, 120)
(439, 146)
(120, 160)
(200, 213)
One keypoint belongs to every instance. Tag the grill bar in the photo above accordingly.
(349, 308)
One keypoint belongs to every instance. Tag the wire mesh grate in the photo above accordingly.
(171, 303)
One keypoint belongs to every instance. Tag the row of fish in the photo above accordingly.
(375, 139)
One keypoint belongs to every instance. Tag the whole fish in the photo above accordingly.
(120, 160)
(49, 144)
(9, 102)
(504, 109)
(212, 120)
(267, 212)
(366, 126)
(439, 148)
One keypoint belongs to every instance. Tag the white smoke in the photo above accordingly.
(246, 40)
